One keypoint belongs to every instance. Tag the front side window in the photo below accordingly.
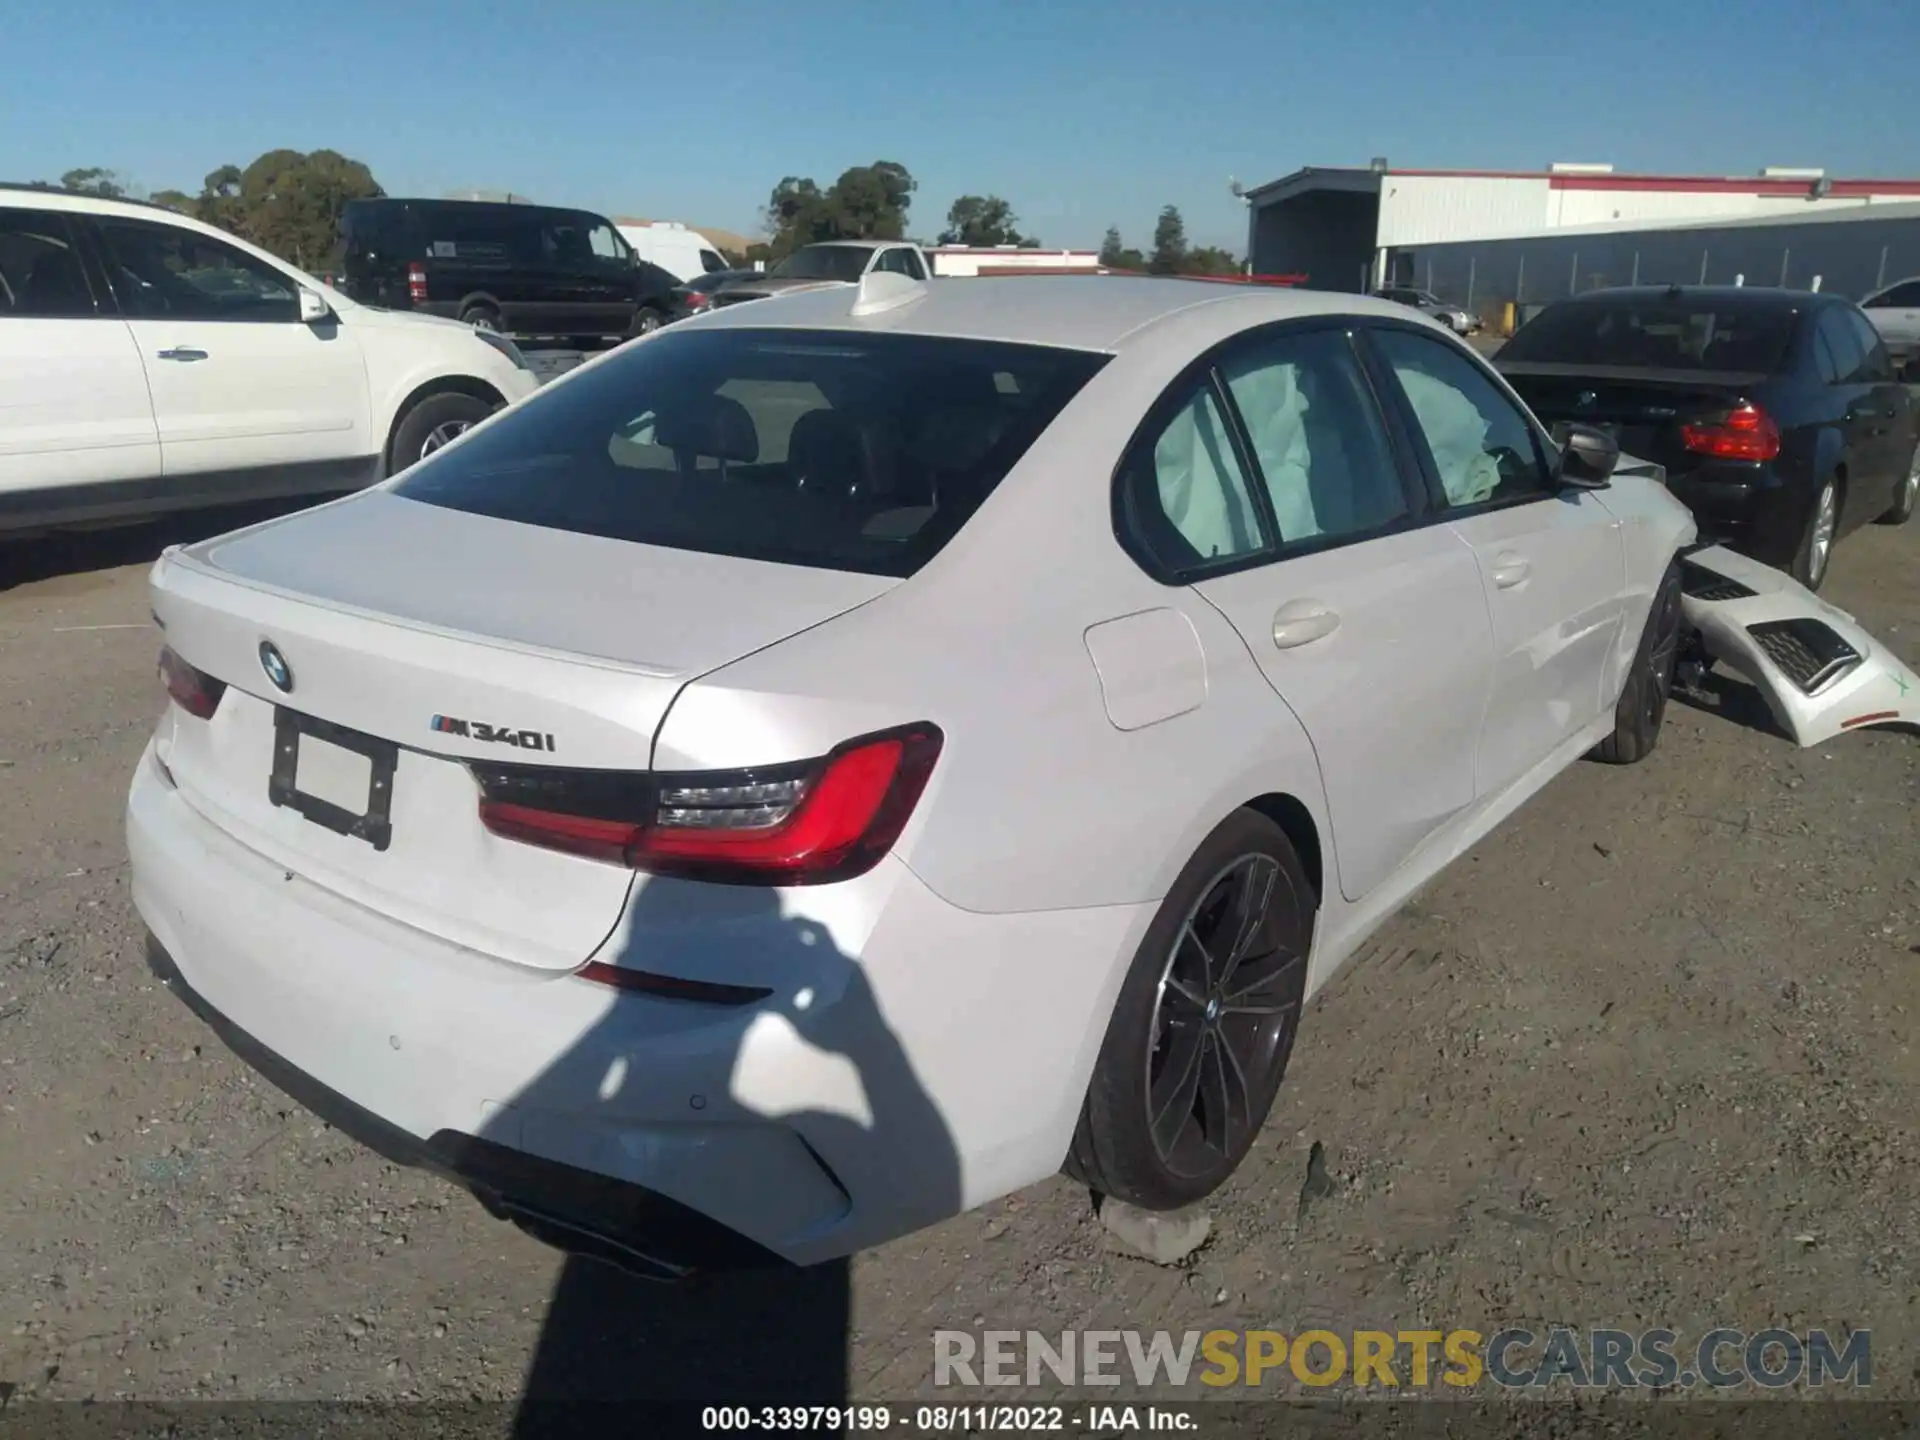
(711, 262)
(833, 450)
(1316, 436)
(163, 272)
(1481, 443)
(605, 243)
(41, 277)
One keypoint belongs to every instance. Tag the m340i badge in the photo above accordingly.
(494, 734)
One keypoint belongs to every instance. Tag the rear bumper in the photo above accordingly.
(1751, 508)
(888, 1083)
(639, 1230)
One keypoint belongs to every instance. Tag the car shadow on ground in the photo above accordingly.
(776, 1335)
(80, 552)
(1732, 699)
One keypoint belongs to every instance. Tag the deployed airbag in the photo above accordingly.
(1819, 672)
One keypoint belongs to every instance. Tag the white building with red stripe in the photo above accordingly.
(1354, 229)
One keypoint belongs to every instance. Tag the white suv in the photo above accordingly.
(149, 362)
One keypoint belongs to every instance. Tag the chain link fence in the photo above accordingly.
(1506, 282)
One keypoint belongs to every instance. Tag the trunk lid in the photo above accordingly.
(1642, 409)
(452, 638)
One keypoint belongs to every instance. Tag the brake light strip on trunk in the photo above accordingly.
(807, 824)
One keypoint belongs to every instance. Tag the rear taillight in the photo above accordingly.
(1744, 433)
(696, 300)
(417, 283)
(806, 824)
(194, 691)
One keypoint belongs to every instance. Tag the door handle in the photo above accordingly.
(1510, 569)
(183, 352)
(1301, 622)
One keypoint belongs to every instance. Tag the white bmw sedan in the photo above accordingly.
(841, 759)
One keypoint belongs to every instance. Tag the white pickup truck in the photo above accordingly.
(830, 262)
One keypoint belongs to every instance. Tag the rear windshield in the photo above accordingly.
(824, 262)
(1655, 335)
(835, 450)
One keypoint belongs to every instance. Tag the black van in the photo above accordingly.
(518, 269)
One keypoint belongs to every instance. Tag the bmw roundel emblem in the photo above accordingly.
(275, 664)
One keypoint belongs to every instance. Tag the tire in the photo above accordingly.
(1903, 502)
(646, 320)
(1812, 560)
(1116, 1150)
(1643, 700)
(430, 424)
(481, 317)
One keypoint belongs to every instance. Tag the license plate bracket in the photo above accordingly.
(375, 826)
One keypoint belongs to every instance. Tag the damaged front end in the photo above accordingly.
(1820, 674)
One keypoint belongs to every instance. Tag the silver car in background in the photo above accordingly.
(1461, 322)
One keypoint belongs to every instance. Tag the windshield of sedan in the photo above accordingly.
(823, 262)
(1656, 335)
(830, 449)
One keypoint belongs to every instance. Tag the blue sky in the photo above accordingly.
(1082, 115)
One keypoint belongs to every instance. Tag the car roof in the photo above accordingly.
(1724, 297)
(1079, 312)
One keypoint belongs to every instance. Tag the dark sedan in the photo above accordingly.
(696, 295)
(1776, 413)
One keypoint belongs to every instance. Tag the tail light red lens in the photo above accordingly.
(194, 691)
(810, 824)
(1745, 433)
(417, 283)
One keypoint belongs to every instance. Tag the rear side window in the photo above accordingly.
(838, 451)
(486, 237)
(1656, 335)
(41, 277)
(1844, 353)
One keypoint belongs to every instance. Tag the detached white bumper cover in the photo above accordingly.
(1820, 673)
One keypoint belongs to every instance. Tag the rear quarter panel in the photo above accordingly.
(1039, 800)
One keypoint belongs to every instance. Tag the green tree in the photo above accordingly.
(220, 203)
(291, 203)
(982, 220)
(867, 202)
(1116, 256)
(176, 200)
(94, 180)
(1210, 260)
(1169, 243)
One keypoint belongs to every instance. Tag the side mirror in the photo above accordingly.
(313, 307)
(1587, 458)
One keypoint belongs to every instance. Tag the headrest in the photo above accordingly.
(717, 426)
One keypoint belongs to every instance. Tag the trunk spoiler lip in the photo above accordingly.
(200, 570)
(1877, 690)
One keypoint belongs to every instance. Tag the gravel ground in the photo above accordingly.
(1646, 1056)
